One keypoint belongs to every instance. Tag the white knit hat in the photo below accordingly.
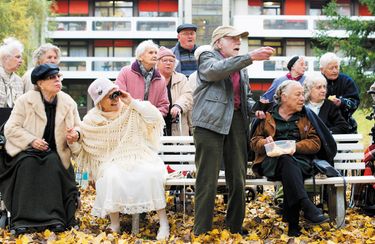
(99, 88)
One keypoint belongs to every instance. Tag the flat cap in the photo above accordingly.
(42, 71)
(186, 26)
(223, 31)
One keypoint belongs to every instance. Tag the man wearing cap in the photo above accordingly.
(184, 49)
(220, 123)
(296, 67)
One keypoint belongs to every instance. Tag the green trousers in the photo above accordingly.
(211, 150)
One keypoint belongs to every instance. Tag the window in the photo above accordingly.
(158, 8)
(73, 48)
(207, 15)
(113, 8)
(271, 7)
(257, 43)
(71, 7)
(255, 7)
(113, 48)
(295, 47)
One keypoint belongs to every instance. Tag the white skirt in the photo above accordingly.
(130, 190)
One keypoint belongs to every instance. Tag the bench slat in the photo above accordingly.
(347, 137)
(348, 156)
(349, 166)
(350, 147)
(263, 181)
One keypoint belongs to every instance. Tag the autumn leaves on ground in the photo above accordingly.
(261, 220)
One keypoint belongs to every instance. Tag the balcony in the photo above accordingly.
(292, 26)
(93, 67)
(112, 28)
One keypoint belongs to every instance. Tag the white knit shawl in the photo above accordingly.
(128, 138)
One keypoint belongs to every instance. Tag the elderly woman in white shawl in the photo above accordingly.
(120, 139)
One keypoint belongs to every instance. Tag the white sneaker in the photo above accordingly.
(163, 233)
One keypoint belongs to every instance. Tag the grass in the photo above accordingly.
(364, 125)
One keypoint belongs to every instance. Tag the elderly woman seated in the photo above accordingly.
(315, 87)
(39, 183)
(120, 139)
(290, 120)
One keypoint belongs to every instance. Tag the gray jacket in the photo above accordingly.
(213, 98)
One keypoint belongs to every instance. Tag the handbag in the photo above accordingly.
(323, 167)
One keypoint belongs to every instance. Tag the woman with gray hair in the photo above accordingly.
(45, 53)
(290, 120)
(342, 89)
(11, 86)
(315, 87)
(142, 80)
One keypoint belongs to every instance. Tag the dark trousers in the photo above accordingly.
(211, 150)
(292, 179)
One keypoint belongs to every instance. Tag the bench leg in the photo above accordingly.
(336, 204)
(135, 224)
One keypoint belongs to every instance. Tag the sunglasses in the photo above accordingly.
(52, 77)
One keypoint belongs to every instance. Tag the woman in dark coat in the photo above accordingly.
(39, 183)
(315, 87)
(289, 120)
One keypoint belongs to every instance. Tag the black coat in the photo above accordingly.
(331, 116)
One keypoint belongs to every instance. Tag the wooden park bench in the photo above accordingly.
(348, 160)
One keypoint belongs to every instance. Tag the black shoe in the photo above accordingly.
(19, 231)
(294, 231)
(316, 218)
(57, 228)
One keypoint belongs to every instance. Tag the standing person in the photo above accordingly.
(39, 183)
(296, 67)
(341, 89)
(142, 80)
(45, 53)
(315, 87)
(290, 120)
(185, 48)
(220, 123)
(11, 86)
(120, 140)
(193, 80)
(179, 94)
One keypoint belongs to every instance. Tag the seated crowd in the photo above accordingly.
(118, 139)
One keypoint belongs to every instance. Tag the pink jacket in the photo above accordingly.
(130, 79)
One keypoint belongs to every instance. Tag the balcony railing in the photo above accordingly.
(91, 67)
(112, 27)
(294, 26)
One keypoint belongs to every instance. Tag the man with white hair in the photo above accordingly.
(220, 121)
(341, 89)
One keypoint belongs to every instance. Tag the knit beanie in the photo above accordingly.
(99, 88)
(163, 51)
(291, 62)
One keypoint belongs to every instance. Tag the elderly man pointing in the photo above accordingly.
(220, 122)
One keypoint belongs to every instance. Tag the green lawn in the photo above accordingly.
(364, 125)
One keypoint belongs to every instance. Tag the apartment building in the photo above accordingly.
(98, 37)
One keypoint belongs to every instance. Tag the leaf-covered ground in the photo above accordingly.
(264, 225)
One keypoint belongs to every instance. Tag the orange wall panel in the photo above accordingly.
(295, 7)
(363, 10)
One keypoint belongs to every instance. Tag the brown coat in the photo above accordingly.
(309, 143)
(28, 120)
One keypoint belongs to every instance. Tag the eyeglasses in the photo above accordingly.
(164, 61)
(52, 77)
